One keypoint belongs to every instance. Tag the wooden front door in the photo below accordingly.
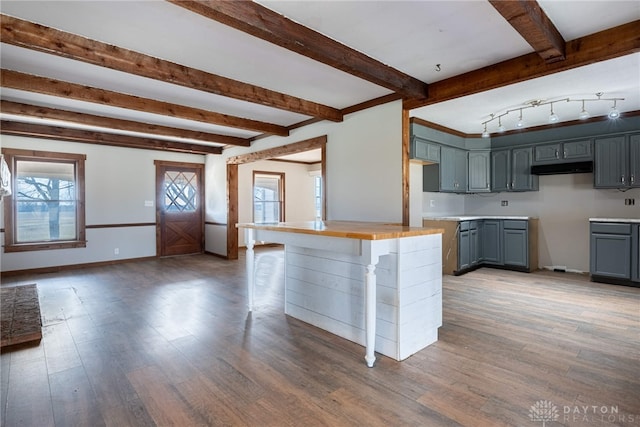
(179, 208)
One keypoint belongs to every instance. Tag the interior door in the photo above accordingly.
(179, 208)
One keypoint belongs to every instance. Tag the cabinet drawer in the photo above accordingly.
(464, 225)
(610, 228)
(514, 224)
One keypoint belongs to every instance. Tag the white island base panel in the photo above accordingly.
(326, 288)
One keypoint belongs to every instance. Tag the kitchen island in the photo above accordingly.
(379, 285)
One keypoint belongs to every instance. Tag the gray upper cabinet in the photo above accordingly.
(547, 153)
(425, 150)
(562, 152)
(616, 162)
(479, 171)
(500, 170)
(634, 161)
(453, 170)
(511, 170)
(577, 150)
(522, 180)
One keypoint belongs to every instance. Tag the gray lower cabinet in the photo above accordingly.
(515, 243)
(469, 253)
(611, 250)
(493, 242)
(635, 253)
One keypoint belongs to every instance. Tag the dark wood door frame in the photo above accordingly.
(160, 165)
(232, 181)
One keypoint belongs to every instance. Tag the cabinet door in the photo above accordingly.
(635, 254)
(453, 170)
(634, 161)
(547, 153)
(610, 255)
(500, 170)
(516, 250)
(464, 250)
(491, 241)
(474, 249)
(461, 171)
(479, 171)
(424, 150)
(577, 150)
(610, 163)
(447, 169)
(521, 178)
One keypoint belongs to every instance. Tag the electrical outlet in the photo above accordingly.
(432, 203)
(504, 203)
(116, 251)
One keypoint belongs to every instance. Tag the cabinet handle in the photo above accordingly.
(633, 179)
(556, 154)
(623, 179)
(564, 154)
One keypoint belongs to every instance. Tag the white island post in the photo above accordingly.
(379, 285)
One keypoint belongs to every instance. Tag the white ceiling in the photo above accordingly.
(411, 36)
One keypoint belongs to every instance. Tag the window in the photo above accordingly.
(46, 208)
(318, 195)
(268, 197)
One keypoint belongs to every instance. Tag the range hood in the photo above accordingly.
(560, 168)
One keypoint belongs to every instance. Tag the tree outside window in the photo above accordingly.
(46, 209)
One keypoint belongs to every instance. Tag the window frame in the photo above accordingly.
(281, 193)
(14, 155)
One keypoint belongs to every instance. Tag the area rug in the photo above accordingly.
(20, 315)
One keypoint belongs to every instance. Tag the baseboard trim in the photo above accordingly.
(59, 268)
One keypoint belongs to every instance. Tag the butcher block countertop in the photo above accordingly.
(347, 229)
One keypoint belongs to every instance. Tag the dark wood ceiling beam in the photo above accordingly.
(101, 138)
(49, 40)
(27, 82)
(608, 44)
(27, 110)
(266, 24)
(530, 21)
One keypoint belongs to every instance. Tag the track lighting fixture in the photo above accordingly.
(584, 114)
(614, 113)
(553, 117)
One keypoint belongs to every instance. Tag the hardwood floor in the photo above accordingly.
(169, 342)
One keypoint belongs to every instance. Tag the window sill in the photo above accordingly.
(45, 246)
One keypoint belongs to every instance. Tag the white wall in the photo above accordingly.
(364, 165)
(299, 191)
(563, 205)
(117, 183)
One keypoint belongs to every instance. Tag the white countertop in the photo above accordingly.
(627, 220)
(475, 217)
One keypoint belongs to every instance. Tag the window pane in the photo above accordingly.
(45, 201)
(267, 198)
(180, 191)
